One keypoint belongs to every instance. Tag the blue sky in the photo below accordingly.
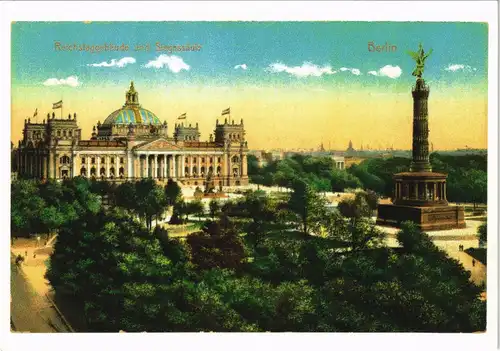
(311, 81)
(257, 45)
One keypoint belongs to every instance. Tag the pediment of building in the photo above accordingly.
(157, 145)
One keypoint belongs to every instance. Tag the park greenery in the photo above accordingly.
(466, 182)
(258, 263)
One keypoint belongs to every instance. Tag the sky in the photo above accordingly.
(295, 84)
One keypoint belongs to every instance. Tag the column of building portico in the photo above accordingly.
(190, 165)
(174, 167)
(199, 165)
(182, 165)
(155, 166)
(98, 171)
(146, 166)
(141, 166)
(167, 166)
(88, 166)
(106, 165)
(134, 167)
(163, 166)
(160, 169)
(137, 166)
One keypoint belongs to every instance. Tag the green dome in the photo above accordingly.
(132, 112)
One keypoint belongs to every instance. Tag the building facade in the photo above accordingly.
(132, 143)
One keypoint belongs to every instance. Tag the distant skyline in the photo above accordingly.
(295, 84)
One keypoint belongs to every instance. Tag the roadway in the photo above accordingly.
(30, 312)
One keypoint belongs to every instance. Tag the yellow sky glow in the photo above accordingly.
(277, 118)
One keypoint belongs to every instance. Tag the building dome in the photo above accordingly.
(132, 112)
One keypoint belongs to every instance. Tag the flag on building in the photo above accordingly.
(57, 105)
(227, 111)
(36, 112)
(183, 116)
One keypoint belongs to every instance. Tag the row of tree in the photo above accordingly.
(264, 264)
(467, 174)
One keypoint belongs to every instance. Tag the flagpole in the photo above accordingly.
(61, 106)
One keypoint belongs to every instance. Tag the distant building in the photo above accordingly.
(350, 150)
(339, 161)
(273, 156)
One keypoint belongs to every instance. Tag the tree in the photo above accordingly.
(180, 209)
(173, 192)
(214, 207)
(26, 206)
(150, 199)
(355, 208)
(475, 186)
(196, 207)
(126, 197)
(218, 245)
(259, 209)
(482, 232)
(198, 193)
(116, 271)
(341, 180)
(306, 204)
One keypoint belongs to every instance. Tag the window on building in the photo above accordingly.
(121, 160)
(112, 160)
(211, 160)
(58, 133)
(64, 133)
(70, 133)
(83, 160)
(203, 160)
(218, 159)
(102, 160)
(92, 160)
(194, 159)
